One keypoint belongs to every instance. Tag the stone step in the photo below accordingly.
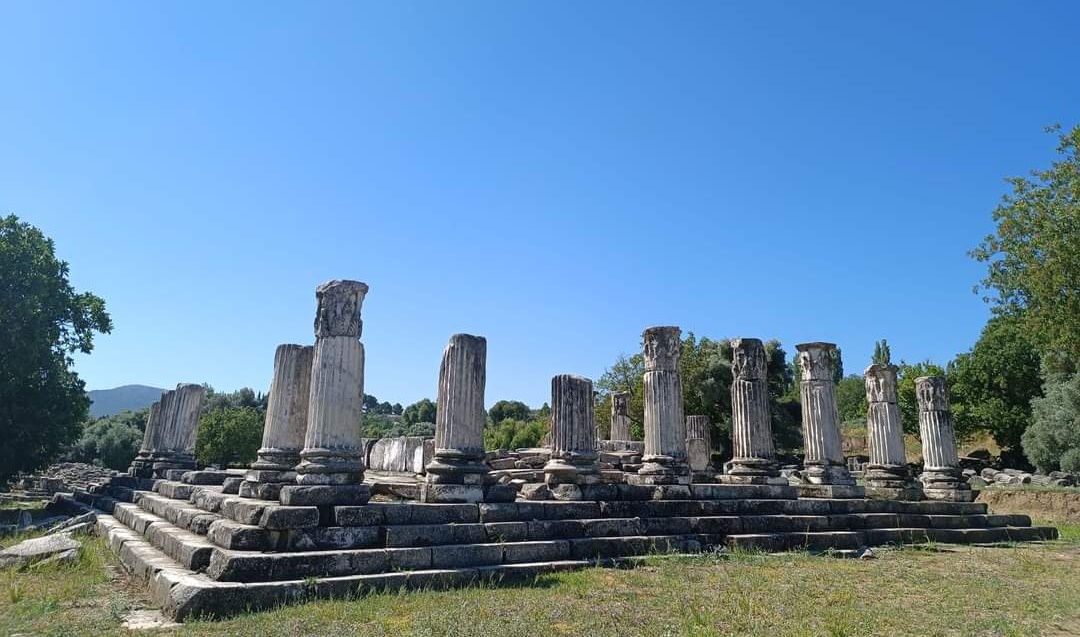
(186, 548)
(847, 540)
(241, 566)
(178, 512)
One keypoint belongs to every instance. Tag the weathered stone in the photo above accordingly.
(824, 463)
(325, 494)
(886, 474)
(699, 447)
(402, 454)
(620, 416)
(664, 460)
(451, 493)
(332, 453)
(279, 518)
(573, 435)
(36, 549)
(941, 465)
(754, 457)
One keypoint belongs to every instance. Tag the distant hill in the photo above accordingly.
(107, 402)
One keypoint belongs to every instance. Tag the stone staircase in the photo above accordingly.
(204, 552)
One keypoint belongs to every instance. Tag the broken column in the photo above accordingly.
(941, 476)
(699, 448)
(824, 463)
(573, 437)
(620, 416)
(285, 424)
(754, 456)
(142, 465)
(458, 471)
(180, 414)
(331, 469)
(664, 460)
(886, 474)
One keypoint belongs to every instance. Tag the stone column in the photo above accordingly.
(285, 425)
(620, 416)
(754, 456)
(699, 448)
(824, 463)
(458, 469)
(573, 437)
(664, 460)
(886, 473)
(331, 469)
(180, 411)
(142, 465)
(941, 477)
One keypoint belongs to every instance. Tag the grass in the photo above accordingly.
(1016, 590)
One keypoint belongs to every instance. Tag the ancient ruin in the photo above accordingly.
(824, 467)
(620, 416)
(887, 474)
(754, 458)
(169, 439)
(699, 448)
(664, 461)
(941, 465)
(573, 438)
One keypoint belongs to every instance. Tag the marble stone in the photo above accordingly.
(886, 474)
(754, 456)
(459, 423)
(332, 453)
(699, 444)
(941, 477)
(824, 462)
(620, 416)
(573, 436)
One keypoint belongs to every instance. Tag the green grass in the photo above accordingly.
(1016, 590)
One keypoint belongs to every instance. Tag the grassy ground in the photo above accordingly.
(1013, 590)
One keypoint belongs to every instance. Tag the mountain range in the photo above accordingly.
(106, 402)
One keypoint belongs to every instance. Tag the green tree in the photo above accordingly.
(504, 409)
(1052, 442)
(624, 375)
(882, 355)
(1033, 258)
(229, 436)
(243, 397)
(422, 410)
(784, 406)
(905, 391)
(991, 387)
(511, 433)
(43, 321)
(851, 398)
(110, 442)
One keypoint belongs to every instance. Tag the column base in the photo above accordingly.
(451, 466)
(729, 478)
(911, 493)
(830, 491)
(660, 470)
(270, 460)
(261, 490)
(828, 474)
(949, 495)
(753, 467)
(325, 494)
(558, 471)
(330, 467)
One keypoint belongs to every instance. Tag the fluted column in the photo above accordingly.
(180, 412)
(573, 435)
(332, 453)
(754, 456)
(887, 473)
(699, 447)
(941, 477)
(285, 425)
(142, 465)
(620, 416)
(824, 463)
(664, 460)
(458, 470)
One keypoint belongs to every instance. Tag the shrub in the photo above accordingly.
(229, 436)
(1052, 441)
(109, 442)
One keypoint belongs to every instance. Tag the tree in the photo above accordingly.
(422, 410)
(1033, 258)
(991, 387)
(229, 436)
(624, 375)
(905, 391)
(396, 409)
(112, 441)
(1052, 442)
(851, 398)
(243, 397)
(512, 433)
(882, 355)
(43, 321)
(504, 409)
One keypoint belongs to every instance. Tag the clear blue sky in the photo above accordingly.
(555, 176)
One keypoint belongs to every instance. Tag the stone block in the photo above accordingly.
(260, 490)
(231, 485)
(244, 511)
(506, 531)
(607, 547)
(205, 477)
(554, 529)
(434, 534)
(500, 493)
(717, 525)
(451, 493)
(571, 510)
(543, 551)
(328, 538)
(608, 527)
(465, 555)
(325, 494)
(280, 518)
(831, 491)
(240, 537)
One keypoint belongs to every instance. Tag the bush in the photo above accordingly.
(229, 436)
(1052, 441)
(514, 434)
(383, 426)
(109, 442)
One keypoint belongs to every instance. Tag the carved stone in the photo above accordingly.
(754, 456)
(573, 436)
(699, 448)
(664, 461)
(333, 454)
(941, 477)
(459, 423)
(824, 462)
(286, 421)
(180, 411)
(887, 474)
(142, 465)
(620, 416)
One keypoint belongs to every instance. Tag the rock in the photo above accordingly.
(36, 549)
(980, 454)
(69, 556)
(867, 553)
(77, 521)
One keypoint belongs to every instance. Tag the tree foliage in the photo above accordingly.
(229, 436)
(504, 409)
(991, 387)
(387, 426)
(111, 441)
(239, 399)
(422, 410)
(512, 433)
(43, 321)
(1052, 442)
(1033, 257)
(882, 355)
(373, 406)
(851, 398)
